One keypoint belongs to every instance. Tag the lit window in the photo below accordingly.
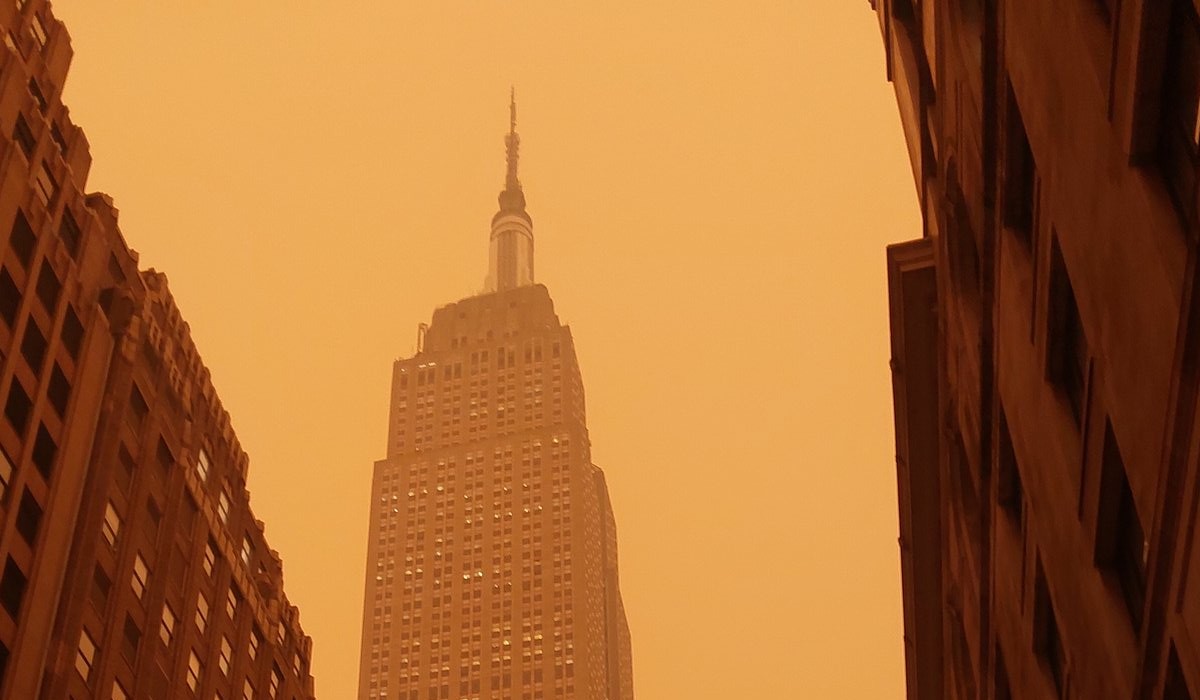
(226, 654)
(118, 692)
(202, 465)
(210, 558)
(112, 525)
(140, 574)
(223, 506)
(193, 671)
(276, 680)
(201, 612)
(248, 690)
(255, 641)
(247, 550)
(38, 30)
(85, 655)
(231, 603)
(166, 630)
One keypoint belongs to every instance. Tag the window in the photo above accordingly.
(29, 517)
(33, 346)
(18, 407)
(276, 680)
(38, 96)
(138, 408)
(247, 550)
(22, 240)
(45, 186)
(48, 287)
(231, 602)
(193, 671)
(1179, 135)
(23, 136)
(202, 465)
(101, 585)
(210, 558)
(59, 391)
(248, 690)
(1047, 641)
(255, 641)
(132, 637)
(85, 655)
(38, 30)
(72, 330)
(1067, 350)
(140, 575)
(164, 455)
(201, 613)
(12, 588)
(226, 655)
(1010, 494)
(56, 135)
(10, 298)
(166, 629)
(118, 691)
(1175, 687)
(223, 506)
(1121, 544)
(111, 527)
(68, 230)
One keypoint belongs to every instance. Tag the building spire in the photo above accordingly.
(512, 198)
(510, 258)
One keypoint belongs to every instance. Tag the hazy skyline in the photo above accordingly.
(712, 189)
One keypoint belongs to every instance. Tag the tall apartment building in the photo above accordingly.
(132, 565)
(492, 557)
(1046, 347)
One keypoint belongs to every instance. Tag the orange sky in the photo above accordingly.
(712, 185)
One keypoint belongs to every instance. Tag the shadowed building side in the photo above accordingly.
(1045, 339)
(131, 564)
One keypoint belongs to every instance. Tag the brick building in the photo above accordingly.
(492, 562)
(1045, 354)
(132, 565)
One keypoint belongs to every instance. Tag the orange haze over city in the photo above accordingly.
(712, 186)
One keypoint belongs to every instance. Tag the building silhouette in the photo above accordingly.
(1044, 347)
(132, 565)
(492, 562)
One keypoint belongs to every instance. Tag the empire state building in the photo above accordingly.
(492, 562)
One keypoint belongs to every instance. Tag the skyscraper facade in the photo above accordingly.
(131, 565)
(1045, 329)
(491, 566)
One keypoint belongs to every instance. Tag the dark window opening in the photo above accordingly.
(10, 298)
(138, 408)
(59, 391)
(12, 588)
(1020, 175)
(165, 457)
(101, 585)
(1010, 494)
(132, 637)
(22, 240)
(72, 332)
(18, 407)
(48, 287)
(1003, 687)
(29, 518)
(38, 95)
(33, 346)
(45, 186)
(1175, 687)
(23, 136)
(1121, 544)
(1047, 639)
(59, 140)
(1067, 350)
(1179, 133)
(45, 449)
(961, 249)
(69, 231)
